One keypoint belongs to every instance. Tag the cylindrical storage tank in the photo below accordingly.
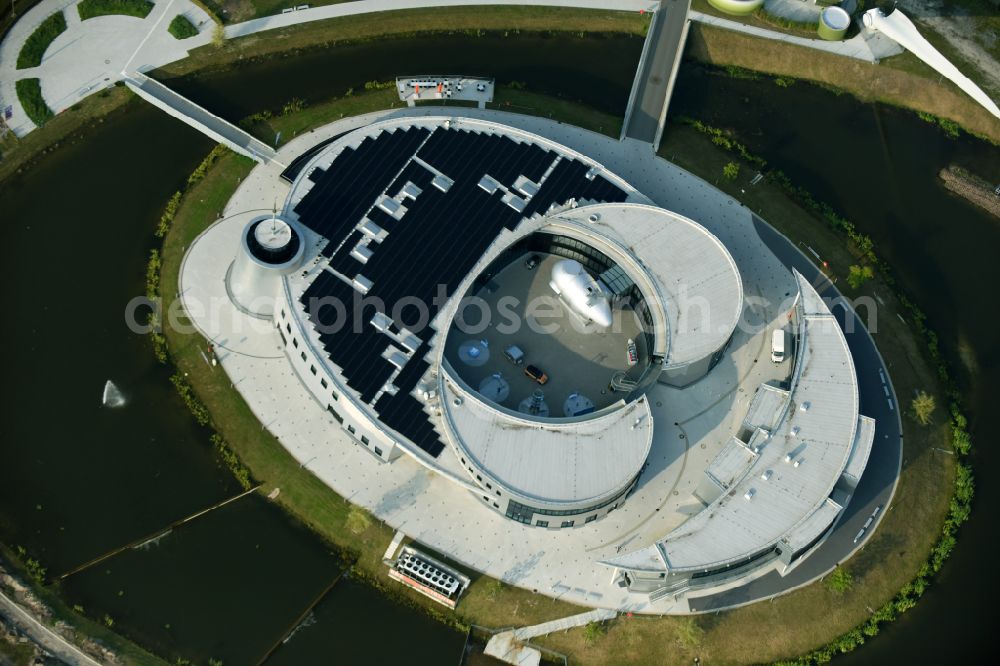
(737, 7)
(833, 23)
(270, 248)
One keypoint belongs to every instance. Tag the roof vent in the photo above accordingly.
(594, 217)
(804, 407)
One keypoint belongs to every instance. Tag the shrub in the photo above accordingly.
(858, 275)
(923, 408)
(89, 9)
(181, 28)
(168, 215)
(232, 461)
(29, 93)
(34, 47)
(594, 630)
(731, 170)
(840, 581)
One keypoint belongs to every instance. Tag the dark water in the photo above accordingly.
(597, 71)
(76, 479)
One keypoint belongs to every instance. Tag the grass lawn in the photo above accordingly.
(181, 28)
(817, 614)
(34, 47)
(91, 8)
(29, 93)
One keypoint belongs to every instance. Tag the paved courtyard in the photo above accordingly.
(578, 359)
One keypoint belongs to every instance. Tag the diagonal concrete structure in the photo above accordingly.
(199, 118)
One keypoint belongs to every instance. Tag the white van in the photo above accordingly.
(778, 346)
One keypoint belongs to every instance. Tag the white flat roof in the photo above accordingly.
(697, 280)
(731, 463)
(767, 407)
(813, 526)
(818, 432)
(560, 460)
(862, 448)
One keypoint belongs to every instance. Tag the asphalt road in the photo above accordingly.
(877, 400)
(654, 79)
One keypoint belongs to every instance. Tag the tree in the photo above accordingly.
(731, 170)
(840, 580)
(594, 630)
(858, 275)
(923, 407)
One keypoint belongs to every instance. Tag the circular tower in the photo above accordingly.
(270, 247)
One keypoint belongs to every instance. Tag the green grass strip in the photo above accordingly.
(29, 92)
(35, 46)
(90, 8)
(181, 27)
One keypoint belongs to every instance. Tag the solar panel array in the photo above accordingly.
(436, 241)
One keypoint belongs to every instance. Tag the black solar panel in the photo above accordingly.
(437, 242)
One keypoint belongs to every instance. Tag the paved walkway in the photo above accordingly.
(200, 118)
(42, 636)
(509, 646)
(657, 70)
(91, 55)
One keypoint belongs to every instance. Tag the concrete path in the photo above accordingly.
(509, 646)
(366, 6)
(200, 118)
(657, 71)
(42, 636)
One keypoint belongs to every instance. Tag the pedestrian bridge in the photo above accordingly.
(199, 118)
(646, 113)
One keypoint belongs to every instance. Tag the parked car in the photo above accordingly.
(514, 354)
(778, 346)
(534, 373)
(532, 262)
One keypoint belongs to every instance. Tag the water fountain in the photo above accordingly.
(112, 396)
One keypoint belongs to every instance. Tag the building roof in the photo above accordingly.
(767, 407)
(861, 450)
(403, 211)
(818, 433)
(556, 460)
(730, 465)
(698, 283)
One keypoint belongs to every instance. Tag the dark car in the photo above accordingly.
(531, 262)
(534, 373)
